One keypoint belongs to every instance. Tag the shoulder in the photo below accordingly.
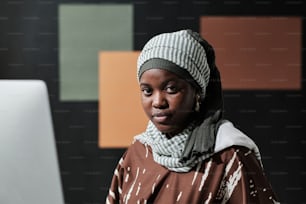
(228, 136)
(137, 148)
(235, 151)
(239, 156)
(136, 153)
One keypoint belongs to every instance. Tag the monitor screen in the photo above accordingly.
(29, 170)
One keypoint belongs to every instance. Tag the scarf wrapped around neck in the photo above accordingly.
(183, 151)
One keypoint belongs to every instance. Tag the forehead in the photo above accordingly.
(159, 75)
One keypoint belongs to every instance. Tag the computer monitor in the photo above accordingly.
(29, 170)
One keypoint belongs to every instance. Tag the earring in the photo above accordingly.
(198, 103)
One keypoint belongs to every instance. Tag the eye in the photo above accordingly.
(146, 91)
(171, 89)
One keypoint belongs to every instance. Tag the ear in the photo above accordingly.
(197, 105)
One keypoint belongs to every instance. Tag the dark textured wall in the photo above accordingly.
(29, 50)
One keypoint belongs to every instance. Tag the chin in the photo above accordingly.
(168, 129)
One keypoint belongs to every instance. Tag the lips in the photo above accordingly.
(161, 117)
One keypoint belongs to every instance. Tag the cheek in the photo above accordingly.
(146, 105)
(187, 105)
(185, 102)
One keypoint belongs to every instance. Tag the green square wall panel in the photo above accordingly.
(84, 31)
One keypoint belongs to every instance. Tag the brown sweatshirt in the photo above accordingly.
(233, 175)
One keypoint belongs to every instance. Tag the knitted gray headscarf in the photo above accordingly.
(189, 56)
(179, 49)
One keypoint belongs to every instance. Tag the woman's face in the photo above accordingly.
(167, 100)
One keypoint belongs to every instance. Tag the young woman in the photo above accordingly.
(188, 154)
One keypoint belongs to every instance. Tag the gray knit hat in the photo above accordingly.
(181, 48)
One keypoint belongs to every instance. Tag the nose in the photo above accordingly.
(159, 100)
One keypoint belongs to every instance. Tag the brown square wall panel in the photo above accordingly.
(256, 52)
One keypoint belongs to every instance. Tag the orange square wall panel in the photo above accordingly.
(121, 116)
(256, 52)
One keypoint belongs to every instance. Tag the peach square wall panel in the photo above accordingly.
(256, 52)
(120, 113)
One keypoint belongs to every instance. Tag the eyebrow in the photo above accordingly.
(144, 84)
(164, 82)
